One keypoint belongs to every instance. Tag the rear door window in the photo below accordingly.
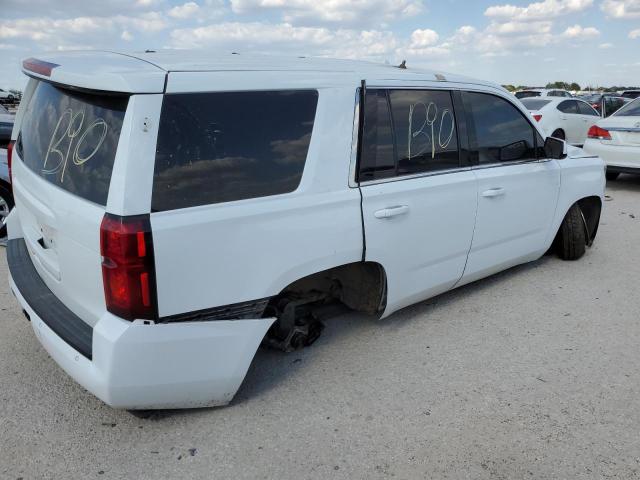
(498, 131)
(425, 131)
(221, 147)
(407, 132)
(568, 106)
(585, 109)
(70, 139)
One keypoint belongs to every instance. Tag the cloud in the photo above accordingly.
(605, 46)
(423, 38)
(622, 9)
(350, 12)
(579, 32)
(285, 38)
(545, 10)
(187, 10)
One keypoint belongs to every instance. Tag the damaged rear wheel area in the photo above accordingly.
(302, 307)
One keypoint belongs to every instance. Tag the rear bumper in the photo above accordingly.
(624, 157)
(136, 366)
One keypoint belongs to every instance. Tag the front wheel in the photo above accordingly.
(571, 241)
(559, 133)
(6, 204)
(612, 175)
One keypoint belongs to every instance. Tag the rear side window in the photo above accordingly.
(377, 157)
(568, 106)
(220, 147)
(585, 109)
(407, 132)
(70, 139)
(498, 131)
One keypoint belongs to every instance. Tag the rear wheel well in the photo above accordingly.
(301, 306)
(361, 286)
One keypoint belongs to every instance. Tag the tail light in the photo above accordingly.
(537, 117)
(128, 268)
(599, 133)
(9, 155)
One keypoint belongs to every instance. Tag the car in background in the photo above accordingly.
(605, 103)
(6, 125)
(6, 199)
(617, 141)
(564, 118)
(542, 92)
(7, 97)
(632, 94)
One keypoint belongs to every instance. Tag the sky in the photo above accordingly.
(592, 42)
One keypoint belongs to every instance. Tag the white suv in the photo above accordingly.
(175, 210)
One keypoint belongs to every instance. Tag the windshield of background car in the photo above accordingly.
(527, 94)
(534, 103)
(70, 139)
(631, 109)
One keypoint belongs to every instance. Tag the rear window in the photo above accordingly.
(630, 109)
(534, 103)
(70, 139)
(527, 94)
(220, 147)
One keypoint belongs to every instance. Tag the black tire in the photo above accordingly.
(612, 175)
(5, 198)
(559, 133)
(571, 241)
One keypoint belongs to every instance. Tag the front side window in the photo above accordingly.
(220, 147)
(498, 131)
(70, 139)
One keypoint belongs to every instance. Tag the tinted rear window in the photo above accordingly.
(534, 103)
(70, 139)
(220, 147)
(527, 94)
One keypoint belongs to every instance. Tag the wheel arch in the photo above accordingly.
(361, 286)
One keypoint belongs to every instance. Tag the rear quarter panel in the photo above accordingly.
(249, 249)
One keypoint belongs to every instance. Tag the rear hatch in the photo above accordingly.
(67, 146)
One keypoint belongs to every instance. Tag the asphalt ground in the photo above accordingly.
(532, 373)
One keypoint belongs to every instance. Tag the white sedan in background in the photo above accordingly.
(565, 118)
(616, 140)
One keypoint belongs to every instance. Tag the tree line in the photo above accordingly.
(573, 86)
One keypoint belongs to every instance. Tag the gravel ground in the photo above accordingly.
(532, 373)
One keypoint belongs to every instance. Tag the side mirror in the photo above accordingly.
(555, 148)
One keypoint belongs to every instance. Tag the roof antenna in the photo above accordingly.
(403, 65)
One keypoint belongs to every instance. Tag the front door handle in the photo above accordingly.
(391, 211)
(493, 192)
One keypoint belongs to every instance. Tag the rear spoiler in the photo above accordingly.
(97, 71)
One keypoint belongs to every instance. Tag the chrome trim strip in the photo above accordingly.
(416, 175)
(623, 129)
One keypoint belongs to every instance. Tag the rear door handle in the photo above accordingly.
(494, 192)
(391, 211)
